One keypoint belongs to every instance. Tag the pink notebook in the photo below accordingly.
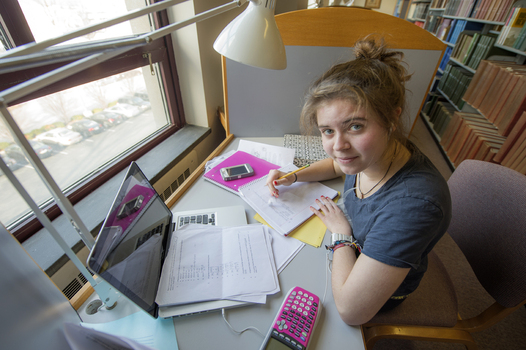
(261, 168)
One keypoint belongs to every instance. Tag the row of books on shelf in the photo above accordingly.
(439, 4)
(419, 10)
(498, 92)
(459, 8)
(473, 47)
(454, 83)
(488, 10)
(420, 24)
(492, 10)
(498, 133)
(457, 27)
(445, 58)
(513, 33)
(439, 113)
(471, 136)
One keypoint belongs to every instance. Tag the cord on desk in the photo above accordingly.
(243, 330)
(327, 270)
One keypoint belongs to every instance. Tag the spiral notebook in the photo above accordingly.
(291, 209)
(261, 169)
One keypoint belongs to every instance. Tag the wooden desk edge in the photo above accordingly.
(197, 172)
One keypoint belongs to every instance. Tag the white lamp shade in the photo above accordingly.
(253, 38)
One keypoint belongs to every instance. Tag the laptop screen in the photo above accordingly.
(130, 248)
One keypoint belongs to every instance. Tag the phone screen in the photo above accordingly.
(238, 170)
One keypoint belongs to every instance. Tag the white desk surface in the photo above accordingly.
(307, 270)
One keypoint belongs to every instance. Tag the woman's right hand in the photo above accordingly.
(273, 181)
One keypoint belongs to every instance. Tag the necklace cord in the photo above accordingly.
(372, 188)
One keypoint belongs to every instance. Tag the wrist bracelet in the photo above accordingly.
(295, 178)
(354, 245)
(339, 246)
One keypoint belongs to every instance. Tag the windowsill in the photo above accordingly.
(94, 207)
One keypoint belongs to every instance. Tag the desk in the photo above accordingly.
(307, 270)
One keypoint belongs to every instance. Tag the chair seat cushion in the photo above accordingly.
(433, 303)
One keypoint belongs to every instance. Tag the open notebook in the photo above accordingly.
(292, 208)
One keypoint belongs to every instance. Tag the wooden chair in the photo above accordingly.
(489, 227)
(265, 103)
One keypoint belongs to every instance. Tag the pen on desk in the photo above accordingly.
(293, 172)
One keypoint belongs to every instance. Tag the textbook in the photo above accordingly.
(261, 169)
(292, 208)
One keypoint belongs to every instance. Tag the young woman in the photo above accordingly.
(396, 203)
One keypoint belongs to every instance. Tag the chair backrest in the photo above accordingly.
(489, 226)
(260, 102)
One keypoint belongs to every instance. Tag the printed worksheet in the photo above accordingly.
(210, 263)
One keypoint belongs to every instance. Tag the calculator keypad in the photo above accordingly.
(295, 322)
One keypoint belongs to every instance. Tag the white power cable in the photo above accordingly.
(243, 330)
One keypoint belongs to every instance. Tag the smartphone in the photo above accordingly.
(236, 172)
(130, 207)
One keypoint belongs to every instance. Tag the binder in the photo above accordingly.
(261, 169)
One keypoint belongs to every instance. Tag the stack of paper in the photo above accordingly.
(212, 263)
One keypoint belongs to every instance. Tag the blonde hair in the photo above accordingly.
(375, 80)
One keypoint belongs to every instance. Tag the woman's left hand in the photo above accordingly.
(332, 216)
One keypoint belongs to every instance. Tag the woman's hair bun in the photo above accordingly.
(369, 49)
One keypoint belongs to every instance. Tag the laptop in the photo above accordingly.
(132, 244)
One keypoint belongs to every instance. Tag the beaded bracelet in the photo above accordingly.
(348, 244)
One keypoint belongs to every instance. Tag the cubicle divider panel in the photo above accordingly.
(261, 102)
(268, 103)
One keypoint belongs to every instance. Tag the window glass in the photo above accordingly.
(83, 126)
(79, 130)
(52, 18)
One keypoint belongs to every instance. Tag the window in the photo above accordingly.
(89, 126)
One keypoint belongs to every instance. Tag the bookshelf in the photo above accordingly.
(476, 108)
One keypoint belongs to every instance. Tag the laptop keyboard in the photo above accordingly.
(203, 219)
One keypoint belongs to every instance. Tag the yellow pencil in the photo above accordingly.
(293, 172)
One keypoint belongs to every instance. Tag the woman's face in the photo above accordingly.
(352, 138)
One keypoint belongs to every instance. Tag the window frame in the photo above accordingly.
(162, 53)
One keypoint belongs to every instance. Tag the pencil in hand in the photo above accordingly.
(293, 172)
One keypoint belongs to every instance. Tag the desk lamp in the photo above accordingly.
(239, 41)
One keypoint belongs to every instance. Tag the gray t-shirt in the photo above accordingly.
(401, 223)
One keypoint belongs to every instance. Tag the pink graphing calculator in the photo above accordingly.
(295, 321)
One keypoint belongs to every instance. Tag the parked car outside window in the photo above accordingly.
(107, 119)
(135, 101)
(15, 152)
(129, 111)
(86, 127)
(11, 163)
(59, 136)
